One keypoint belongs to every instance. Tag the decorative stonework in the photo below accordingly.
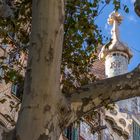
(116, 64)
(117, 56)
(119, 121)
(114, 16)
(9, 107)
(9, 103)
(115, 19)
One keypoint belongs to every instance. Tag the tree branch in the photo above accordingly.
(106, 91)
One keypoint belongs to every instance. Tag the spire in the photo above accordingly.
(115, 19)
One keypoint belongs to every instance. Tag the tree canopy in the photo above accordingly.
(43, 109)
(82, 36)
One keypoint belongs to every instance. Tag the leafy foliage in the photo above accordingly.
(82, 36)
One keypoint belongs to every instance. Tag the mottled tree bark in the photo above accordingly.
(45, 112)
(106, 91)
(43, 107)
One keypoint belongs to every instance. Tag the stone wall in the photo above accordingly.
(9, 107)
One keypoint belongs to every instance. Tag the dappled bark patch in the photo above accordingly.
(43, 137)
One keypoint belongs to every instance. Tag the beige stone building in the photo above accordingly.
(119, 123)
(9, 94)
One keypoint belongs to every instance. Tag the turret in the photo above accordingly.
(117, 55)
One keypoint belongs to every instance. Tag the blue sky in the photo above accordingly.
(129, 29)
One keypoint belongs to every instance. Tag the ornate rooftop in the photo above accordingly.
(115, 44)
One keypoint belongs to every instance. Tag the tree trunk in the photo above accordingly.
(41, 116)
(44, 111)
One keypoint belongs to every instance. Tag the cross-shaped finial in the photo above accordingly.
(114, 16)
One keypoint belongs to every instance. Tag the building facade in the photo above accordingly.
(121, 122)
(9, 92)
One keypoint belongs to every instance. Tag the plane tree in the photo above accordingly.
(61, 47)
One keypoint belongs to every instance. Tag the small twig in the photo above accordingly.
(101, 10)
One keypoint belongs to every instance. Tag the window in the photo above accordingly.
(17, 90)
(1, 72)
(71, 133)
(114, 54)
(136, 131)
(14, 89)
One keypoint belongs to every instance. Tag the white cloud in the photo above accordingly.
(132, 18)
(132, 1)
